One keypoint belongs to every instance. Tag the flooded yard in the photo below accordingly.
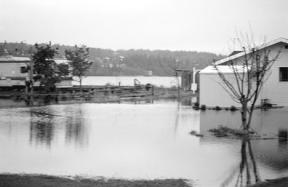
(137, 141)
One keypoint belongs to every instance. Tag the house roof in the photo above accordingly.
(222, 69)
(14, 59)
(234, 53)
(9, 58)
(240, 54)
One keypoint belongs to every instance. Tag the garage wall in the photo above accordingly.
(212, 93)
(274, 89)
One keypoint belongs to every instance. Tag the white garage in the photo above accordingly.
(212, 92)
(275, 90)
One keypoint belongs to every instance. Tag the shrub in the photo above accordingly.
(203, 107)
(196, 106)
(218, 108)
(233, 108)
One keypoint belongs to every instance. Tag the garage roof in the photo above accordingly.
(222, 69)
(229, 58)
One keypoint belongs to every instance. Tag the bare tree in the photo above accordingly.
(249, 74)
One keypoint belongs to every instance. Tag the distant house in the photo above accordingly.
(275, 89)
(13, 70)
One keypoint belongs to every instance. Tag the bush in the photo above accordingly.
(218, 108)
(196, 106)
(222, 131)
(203, 107)
(233, 108)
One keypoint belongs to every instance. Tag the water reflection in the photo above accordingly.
(187, 101)
(264, 122)
(176, 123)
(269, 155)
(41, 126)
(76, 132)
(45, 125)
(140, 141)
(282, 138)
(247, 173)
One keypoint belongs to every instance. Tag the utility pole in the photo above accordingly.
(31, 81)
(178, 84)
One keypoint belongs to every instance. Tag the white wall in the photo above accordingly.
(273, 89)
(12, 69)
(212, 93)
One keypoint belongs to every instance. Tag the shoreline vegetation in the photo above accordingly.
(232, 133)
(26, 180)
(41, 180)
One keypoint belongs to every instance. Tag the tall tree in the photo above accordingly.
(45, 68)
(79, 62)
(249, 75)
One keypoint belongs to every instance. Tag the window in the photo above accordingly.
(283, 74)
(23, 69)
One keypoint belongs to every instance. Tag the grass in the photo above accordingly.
(222, 131)
(281, 182)
(15, 180)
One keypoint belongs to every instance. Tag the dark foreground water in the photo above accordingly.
(139, 141)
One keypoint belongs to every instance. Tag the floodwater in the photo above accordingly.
(139, 141)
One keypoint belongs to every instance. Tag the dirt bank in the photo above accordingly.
(13, 180)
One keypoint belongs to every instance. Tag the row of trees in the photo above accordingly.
(47, 72)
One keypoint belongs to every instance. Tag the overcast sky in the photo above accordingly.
(201, 25)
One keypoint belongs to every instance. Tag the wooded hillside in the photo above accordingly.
(130, 62)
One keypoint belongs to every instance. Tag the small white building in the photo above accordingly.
(275, 89)
(13, 70)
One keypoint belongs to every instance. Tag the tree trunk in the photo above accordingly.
(178, 86)
(244, 113)
(80, 81)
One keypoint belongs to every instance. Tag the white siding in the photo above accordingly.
(212, 93)
(274, 89)
(11, 69)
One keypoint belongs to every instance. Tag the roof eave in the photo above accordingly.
(273, 42)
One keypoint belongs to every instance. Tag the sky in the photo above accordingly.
(197, 25)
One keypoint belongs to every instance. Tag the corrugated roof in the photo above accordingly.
(229, 58)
